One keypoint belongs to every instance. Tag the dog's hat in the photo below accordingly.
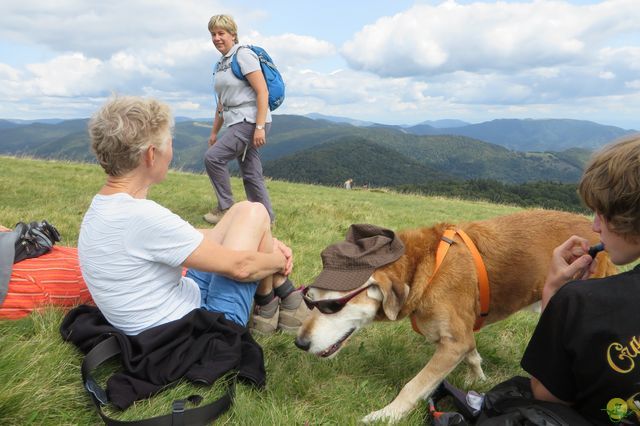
(348, 264)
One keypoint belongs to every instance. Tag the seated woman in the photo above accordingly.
(132, 250)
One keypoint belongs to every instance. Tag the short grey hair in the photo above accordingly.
(124, 127)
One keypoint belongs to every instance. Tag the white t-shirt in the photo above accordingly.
(130, 251)
(233, 92)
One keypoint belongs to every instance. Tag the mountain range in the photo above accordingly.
(328, 150)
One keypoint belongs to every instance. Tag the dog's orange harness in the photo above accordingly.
(483, 279)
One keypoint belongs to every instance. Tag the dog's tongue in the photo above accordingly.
(333, 348)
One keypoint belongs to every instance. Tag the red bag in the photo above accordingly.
(51, 279)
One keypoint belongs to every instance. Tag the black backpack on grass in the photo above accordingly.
(34, 239)
(510, 403)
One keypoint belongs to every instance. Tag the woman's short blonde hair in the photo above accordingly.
(124, 127)
(225, 22)
(610, 186)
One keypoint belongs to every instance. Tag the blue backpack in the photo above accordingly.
(275, 83)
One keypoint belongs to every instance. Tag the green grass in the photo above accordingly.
(40, 374)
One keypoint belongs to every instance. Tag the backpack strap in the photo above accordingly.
(179, 416)
(235, 66)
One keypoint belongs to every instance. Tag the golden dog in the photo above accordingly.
(516, 250)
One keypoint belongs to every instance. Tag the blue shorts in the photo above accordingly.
(221, 294)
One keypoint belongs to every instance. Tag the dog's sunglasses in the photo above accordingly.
(329, 306)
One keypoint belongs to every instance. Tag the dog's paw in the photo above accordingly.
(473, 378)
(384, 415)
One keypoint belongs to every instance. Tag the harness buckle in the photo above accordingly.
(178, 406)
(447, 240)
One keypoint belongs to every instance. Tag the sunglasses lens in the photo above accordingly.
(310, 304)
(329, 306)
(307, 301)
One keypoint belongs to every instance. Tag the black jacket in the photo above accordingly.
(201, 347)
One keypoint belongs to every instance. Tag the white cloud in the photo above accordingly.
(66, 75)
(187, 106)
(133, 47)
(353, 93)
(8, 73)
(102, 28)
(75, 75)
(483, 58)
(289, 50)
(506, 55)
(480, 37)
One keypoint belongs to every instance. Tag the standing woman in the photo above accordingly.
(243, 108)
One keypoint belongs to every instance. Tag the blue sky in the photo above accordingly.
(395, 62)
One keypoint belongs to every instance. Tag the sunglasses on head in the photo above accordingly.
(329, 306)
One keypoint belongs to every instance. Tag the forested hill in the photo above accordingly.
(533, 135)
(319, 150)
(349, 157)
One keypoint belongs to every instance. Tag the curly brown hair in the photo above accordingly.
(610, 185)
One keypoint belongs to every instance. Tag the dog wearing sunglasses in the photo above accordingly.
(444, 307)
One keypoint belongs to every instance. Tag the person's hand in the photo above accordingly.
(259, 138)
(569, 261)
(4, 229)
(212, 139)
(288, 254)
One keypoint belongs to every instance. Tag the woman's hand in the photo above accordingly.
(570, 261)
(259, 138)
(213, 138)
(287, 253)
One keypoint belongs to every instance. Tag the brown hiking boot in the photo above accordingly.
(265, 318)
(292, 312)
(215, 215)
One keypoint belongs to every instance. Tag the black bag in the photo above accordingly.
(512, 403)
(180, 415)
(34, 239)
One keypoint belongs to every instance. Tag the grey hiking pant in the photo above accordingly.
(232, 145)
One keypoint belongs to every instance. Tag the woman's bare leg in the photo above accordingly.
(247, 226)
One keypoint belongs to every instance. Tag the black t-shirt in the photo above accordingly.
(586, 347)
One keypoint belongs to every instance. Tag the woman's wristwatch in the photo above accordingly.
(260, 126)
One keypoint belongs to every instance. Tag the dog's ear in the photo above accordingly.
(393, 295)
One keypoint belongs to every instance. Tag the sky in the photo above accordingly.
(393, 62)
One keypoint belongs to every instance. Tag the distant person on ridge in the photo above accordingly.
(132, 250)
(243, 108)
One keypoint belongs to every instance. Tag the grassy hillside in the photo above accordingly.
(39, 374)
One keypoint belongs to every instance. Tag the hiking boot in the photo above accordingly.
(215, 215)
(265, 318)
(292, 312)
